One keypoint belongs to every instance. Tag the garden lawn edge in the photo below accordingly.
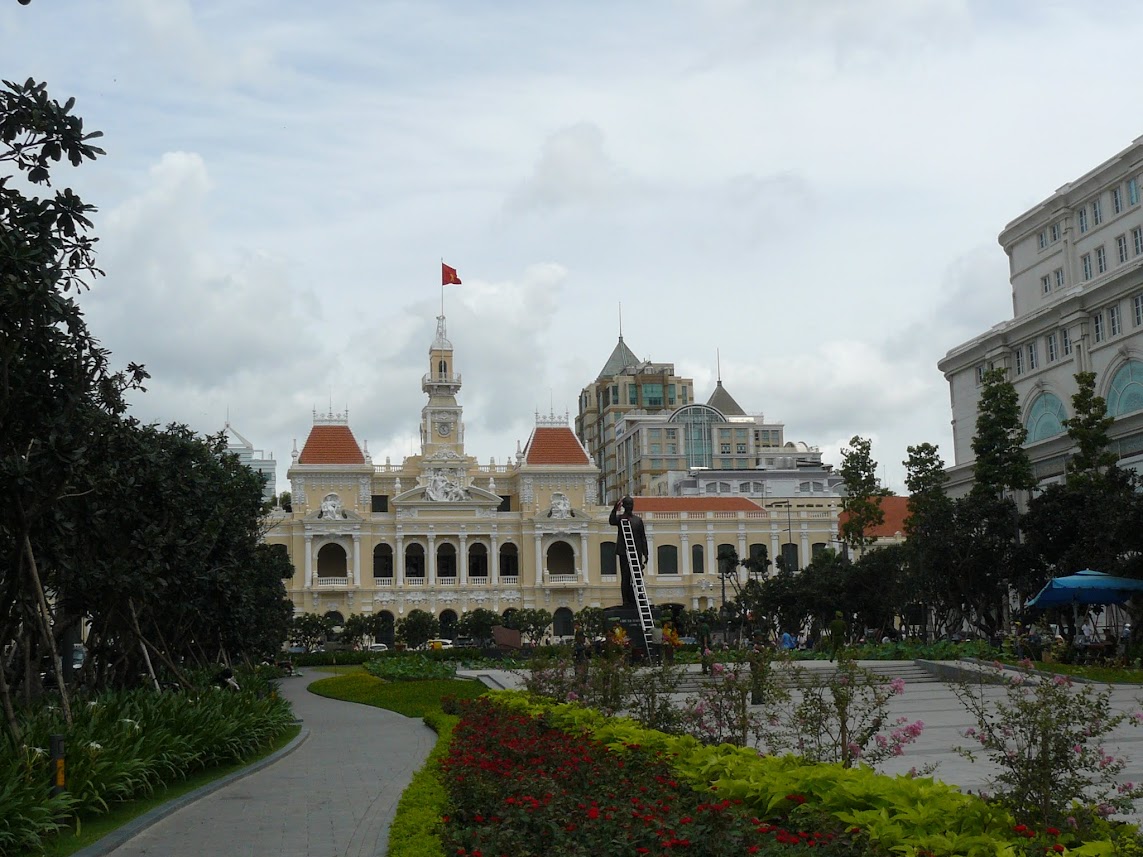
(415, 829)
(133, 828)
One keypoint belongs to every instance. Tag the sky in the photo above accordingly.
(804, 194)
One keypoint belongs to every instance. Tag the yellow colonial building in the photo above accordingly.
(443, 533)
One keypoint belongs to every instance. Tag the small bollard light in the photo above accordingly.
(59, 772)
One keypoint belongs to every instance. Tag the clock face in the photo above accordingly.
(443, 428)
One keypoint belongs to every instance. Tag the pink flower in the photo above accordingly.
(897, 685)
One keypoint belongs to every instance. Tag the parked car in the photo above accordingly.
(464, 643)
(433, 645)
(378, 647)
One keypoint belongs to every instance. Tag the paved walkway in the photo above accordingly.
(333, 796)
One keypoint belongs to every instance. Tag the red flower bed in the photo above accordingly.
(519, 788)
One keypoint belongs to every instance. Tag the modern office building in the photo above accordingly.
(441, 532)
(1076, 273)
(625, 385)
(255, 459)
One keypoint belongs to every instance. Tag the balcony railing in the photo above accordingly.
(561, 578)
(382, 581)
(514, 580)
(331, 581)
(415, 581)
(448, 581)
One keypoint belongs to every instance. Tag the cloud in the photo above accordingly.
(573, 171)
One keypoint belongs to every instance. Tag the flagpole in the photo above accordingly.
(442, 287)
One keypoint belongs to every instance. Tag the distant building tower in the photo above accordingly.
(255, 459)
(626, 385)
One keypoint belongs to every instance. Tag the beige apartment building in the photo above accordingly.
(444, 533)
(1076, 273)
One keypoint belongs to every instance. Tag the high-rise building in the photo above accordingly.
(255, 459)
(624, 386)
(1076, 273)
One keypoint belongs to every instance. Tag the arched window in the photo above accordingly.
(696, 422)
(563, 625)
(666, 559)
(385, 627)
(790, 556)
(697, 559)
(607, 559)
(448, 624)
(509, 561)
(1045, 418)
(1126, 392)
(383, 561)
(414, 561)
(561, 558)
(331, 561)
(477, 560)
(446, 560)
(442, 370)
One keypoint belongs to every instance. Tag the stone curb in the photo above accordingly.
(133, 828)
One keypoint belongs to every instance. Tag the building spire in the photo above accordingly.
(718, 366)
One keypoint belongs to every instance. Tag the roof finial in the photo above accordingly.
(621, 319)
(718, 366)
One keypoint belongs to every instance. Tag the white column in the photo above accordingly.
(583, 559)
(775, 544)
(309, 561)
(685, 550)
(431, 562)
(710, 564)
(494, 561)
(805, 545)
(462, 560)
(539, 561)
(650, 552)
(356, 559)
(399, 560)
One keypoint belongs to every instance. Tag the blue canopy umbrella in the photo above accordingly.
(1086, 587)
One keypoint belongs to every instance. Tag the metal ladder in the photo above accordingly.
(642, 602)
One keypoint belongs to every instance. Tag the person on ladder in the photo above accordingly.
(624, 510)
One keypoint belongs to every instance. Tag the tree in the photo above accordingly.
(862, 502)
(310, 630)
(531, 622)
(417, 628)
(929, 534)
(478, 624)
(54, 377)
(1088, 430)
(1001, 464)
(591, 619)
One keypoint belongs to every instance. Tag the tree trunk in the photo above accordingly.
(46, 622)
(142, 644)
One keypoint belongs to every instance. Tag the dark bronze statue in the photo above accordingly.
(624, 510)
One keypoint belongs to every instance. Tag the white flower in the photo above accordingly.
(94, 745)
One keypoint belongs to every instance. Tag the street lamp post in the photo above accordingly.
(789, 524)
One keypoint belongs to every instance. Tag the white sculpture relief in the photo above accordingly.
(526, 490)
(331, 508)
(561, 506)
(442, 486)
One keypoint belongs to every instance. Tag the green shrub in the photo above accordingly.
(122, 745)
(415, 831)
(413, 668)
(410, 698)
(896, 814)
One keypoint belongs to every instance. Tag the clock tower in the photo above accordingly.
(441, 428)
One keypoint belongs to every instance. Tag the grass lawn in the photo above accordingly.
(411, 698)
(1101, 674)
(92, 829)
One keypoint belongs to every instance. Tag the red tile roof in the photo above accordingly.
(896, 510)
(695, 504)
(555, 445)
(331, 445)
